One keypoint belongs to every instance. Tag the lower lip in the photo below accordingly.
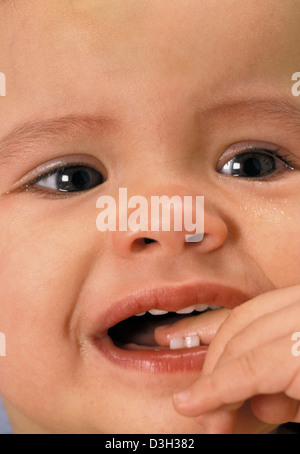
(162, 361)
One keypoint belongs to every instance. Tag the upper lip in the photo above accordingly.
(169, 298)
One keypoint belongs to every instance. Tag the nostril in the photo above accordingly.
(140, 243)
(148, 240)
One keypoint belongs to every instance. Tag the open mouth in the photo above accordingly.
(137, 332)
(125, 334)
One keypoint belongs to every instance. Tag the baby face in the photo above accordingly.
(177, 98)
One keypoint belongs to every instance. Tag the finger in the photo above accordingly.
(274, 409)
(241, 316)
(270, 327)
(234, 419)
(220, 422)
(269, 369)
(204, 326)
(297, 416)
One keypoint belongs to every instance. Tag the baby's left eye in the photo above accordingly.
(70, 179)
(254, 164)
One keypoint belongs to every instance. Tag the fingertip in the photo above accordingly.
(182, 398)
(162, 336)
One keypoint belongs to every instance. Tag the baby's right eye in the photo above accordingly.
(71, 178)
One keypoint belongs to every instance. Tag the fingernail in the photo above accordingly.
(182, 397)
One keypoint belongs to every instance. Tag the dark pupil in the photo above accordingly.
(80, 179)
(252, 167)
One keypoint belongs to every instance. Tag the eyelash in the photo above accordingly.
(44, 194)
(51, 195)
(285, 158)
(54, 195)
(52, 172)
(291, 165)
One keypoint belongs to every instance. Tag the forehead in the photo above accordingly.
(169, 33)
(56, 52)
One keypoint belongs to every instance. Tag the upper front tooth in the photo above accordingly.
(201, 307)
(157, 312)
(186, 310)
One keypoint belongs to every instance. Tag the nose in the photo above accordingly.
(169, 236)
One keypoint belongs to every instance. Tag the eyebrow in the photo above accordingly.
(278, 108)
(18, 142)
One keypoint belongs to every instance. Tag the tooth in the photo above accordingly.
(186, 310)
(191, 341)
(177, 342)
(201, 307)
(214, 307)
(157, 312)
(184, 342)
(140, 315)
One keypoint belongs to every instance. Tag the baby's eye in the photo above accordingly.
(254, 164)
(73, 178)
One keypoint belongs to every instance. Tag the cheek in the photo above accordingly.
(273, 241)
(43, 268)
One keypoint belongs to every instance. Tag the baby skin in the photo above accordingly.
(177, 98)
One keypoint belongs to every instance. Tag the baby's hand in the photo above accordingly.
(250, 358)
